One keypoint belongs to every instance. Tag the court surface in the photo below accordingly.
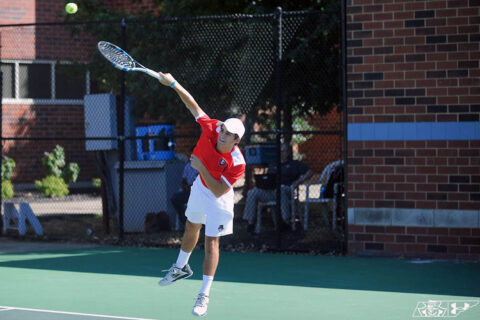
(90, 283)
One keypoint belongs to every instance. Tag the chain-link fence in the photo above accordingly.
(130, 137)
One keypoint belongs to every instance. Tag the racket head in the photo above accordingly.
(117, 56)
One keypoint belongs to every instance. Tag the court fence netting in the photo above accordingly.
(99, 153)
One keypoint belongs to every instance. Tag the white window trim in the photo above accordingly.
(54, 101)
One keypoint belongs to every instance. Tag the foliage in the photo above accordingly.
(58, 173)
(8, 166)
(7, 189)
(97, 182)
(54, 164)
(168, 46)
(52, 186)
(54, 161)
(71, 172)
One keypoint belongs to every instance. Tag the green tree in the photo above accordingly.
(187, 50)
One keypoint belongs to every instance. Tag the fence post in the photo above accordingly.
(278, 103)
(121, 140)
(1, 147)
(345, 123)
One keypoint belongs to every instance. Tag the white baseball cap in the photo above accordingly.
(234, 125)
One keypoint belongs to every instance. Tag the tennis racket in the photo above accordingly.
(122, 60)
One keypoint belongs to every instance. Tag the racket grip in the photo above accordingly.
(153, 74)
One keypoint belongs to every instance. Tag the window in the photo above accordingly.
(70, 81)
(35, 81)
(44, 82)
(8, 80)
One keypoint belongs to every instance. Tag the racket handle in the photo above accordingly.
(152, 73)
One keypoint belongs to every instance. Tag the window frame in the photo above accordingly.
(53, 100)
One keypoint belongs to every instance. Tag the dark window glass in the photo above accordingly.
(69, 81)
(8, 80)
(35, 81)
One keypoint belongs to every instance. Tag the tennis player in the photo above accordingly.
(220, 163)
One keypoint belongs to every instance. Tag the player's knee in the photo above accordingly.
(211, 244)
(191, 228)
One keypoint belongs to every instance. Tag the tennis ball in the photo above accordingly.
(71, 8)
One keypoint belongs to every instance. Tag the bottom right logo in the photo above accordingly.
(443, 308)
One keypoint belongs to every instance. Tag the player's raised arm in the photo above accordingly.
(168, 80)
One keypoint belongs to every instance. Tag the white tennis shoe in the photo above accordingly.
(201, 305)
(175, 274)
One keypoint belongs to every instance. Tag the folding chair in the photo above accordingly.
(324, 202)
(262, 205)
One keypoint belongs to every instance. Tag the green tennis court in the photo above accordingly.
(121, 283)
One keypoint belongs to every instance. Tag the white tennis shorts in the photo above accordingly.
(215, 213)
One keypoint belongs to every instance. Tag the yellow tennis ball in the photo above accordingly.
(71, 8)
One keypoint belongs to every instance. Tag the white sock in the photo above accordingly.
(207, 283)
(182, 259)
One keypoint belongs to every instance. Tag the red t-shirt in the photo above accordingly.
(227, 166)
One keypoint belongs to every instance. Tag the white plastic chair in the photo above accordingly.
(320, 199)
(261, 205)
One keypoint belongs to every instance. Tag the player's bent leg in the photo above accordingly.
(190, 236)
(175, 274)
(183, 271)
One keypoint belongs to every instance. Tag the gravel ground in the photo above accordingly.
(28, 196)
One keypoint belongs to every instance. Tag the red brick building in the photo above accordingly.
(413, 128)
(36, 102)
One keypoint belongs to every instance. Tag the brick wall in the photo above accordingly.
(412, 242)
(45, 120)
(414, 174)
(414, 62)
(12, 11)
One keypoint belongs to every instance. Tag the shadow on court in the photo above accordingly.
(392, 275)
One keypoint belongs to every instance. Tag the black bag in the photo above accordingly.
(157, 222)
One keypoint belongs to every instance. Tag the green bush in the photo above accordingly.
(8, 166)
(70, 173)
(52, 186)
(7, 189)
(58, 173)
(54, 161)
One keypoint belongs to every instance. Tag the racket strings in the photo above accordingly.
(116, 55)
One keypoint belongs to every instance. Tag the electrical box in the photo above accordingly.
(100, 121)
(149, 186)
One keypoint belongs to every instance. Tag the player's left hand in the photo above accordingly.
(196, 163)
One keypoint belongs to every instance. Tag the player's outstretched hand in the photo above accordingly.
(167, 79)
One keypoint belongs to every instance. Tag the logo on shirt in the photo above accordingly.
(220, 228)
(222, 162)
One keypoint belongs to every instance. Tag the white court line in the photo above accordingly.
(71, 313)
